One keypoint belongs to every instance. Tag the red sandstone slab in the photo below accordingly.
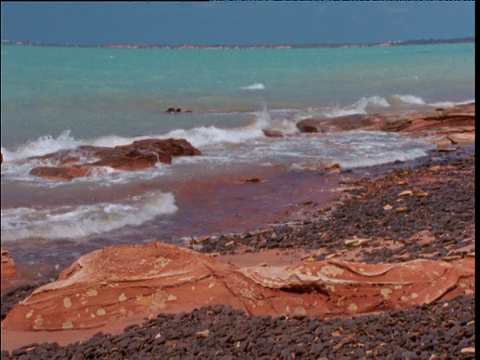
(118, 283)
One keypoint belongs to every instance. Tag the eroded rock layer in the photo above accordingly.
(102, 287)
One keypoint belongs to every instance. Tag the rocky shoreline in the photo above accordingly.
(442, 330)
(418, 211)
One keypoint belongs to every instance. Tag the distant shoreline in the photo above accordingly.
(247, 47)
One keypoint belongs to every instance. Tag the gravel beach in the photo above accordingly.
(417, 210)
(437, 331)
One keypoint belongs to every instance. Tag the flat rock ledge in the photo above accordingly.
(87, 160)
(137, 281)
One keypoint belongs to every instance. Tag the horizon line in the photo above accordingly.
(468, 39)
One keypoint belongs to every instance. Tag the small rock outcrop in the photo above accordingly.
(8, 265)
(341, 123)
(9, 271)
(172, 110)
(138, 155)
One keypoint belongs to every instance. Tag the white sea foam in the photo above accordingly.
(256, 86)
(446, 104)
(75, 222)
(358, 149)
(359, 107)
(383, 158)
(42, 146)
(212, 135)
(394, 102)
(219, 145)
(410, 99)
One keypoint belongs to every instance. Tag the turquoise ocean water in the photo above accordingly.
(56, 98)
(92, 92)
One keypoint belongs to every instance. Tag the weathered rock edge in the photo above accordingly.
(103, 287)
(453, 125)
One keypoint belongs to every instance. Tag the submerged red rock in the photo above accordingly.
(61, 172)
(138, 155)
(124, 282)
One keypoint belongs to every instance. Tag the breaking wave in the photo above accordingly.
(73, 222)
(396, 102)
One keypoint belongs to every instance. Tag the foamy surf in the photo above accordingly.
(361, 106)
(256, 86)
(355, 149)
(447, 104)
(219, 145)
(43, 145)
(390, 103)
(75, 222)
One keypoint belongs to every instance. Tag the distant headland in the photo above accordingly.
(235, 47)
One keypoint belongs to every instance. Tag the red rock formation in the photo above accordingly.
(8, 270)
(456, 120)
(120, 283)
(62, 173)
(273, 133)
(341, 123)
(8, 266)
(309, 126)
(139, 155)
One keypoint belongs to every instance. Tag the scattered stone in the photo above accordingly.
(423, 238)
(252, 180)
(356, 241)
(173, 110)
(203, 334)
(445, 149)
(273, 133)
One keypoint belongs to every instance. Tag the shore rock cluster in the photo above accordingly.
(458, 119)
(139, 155)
